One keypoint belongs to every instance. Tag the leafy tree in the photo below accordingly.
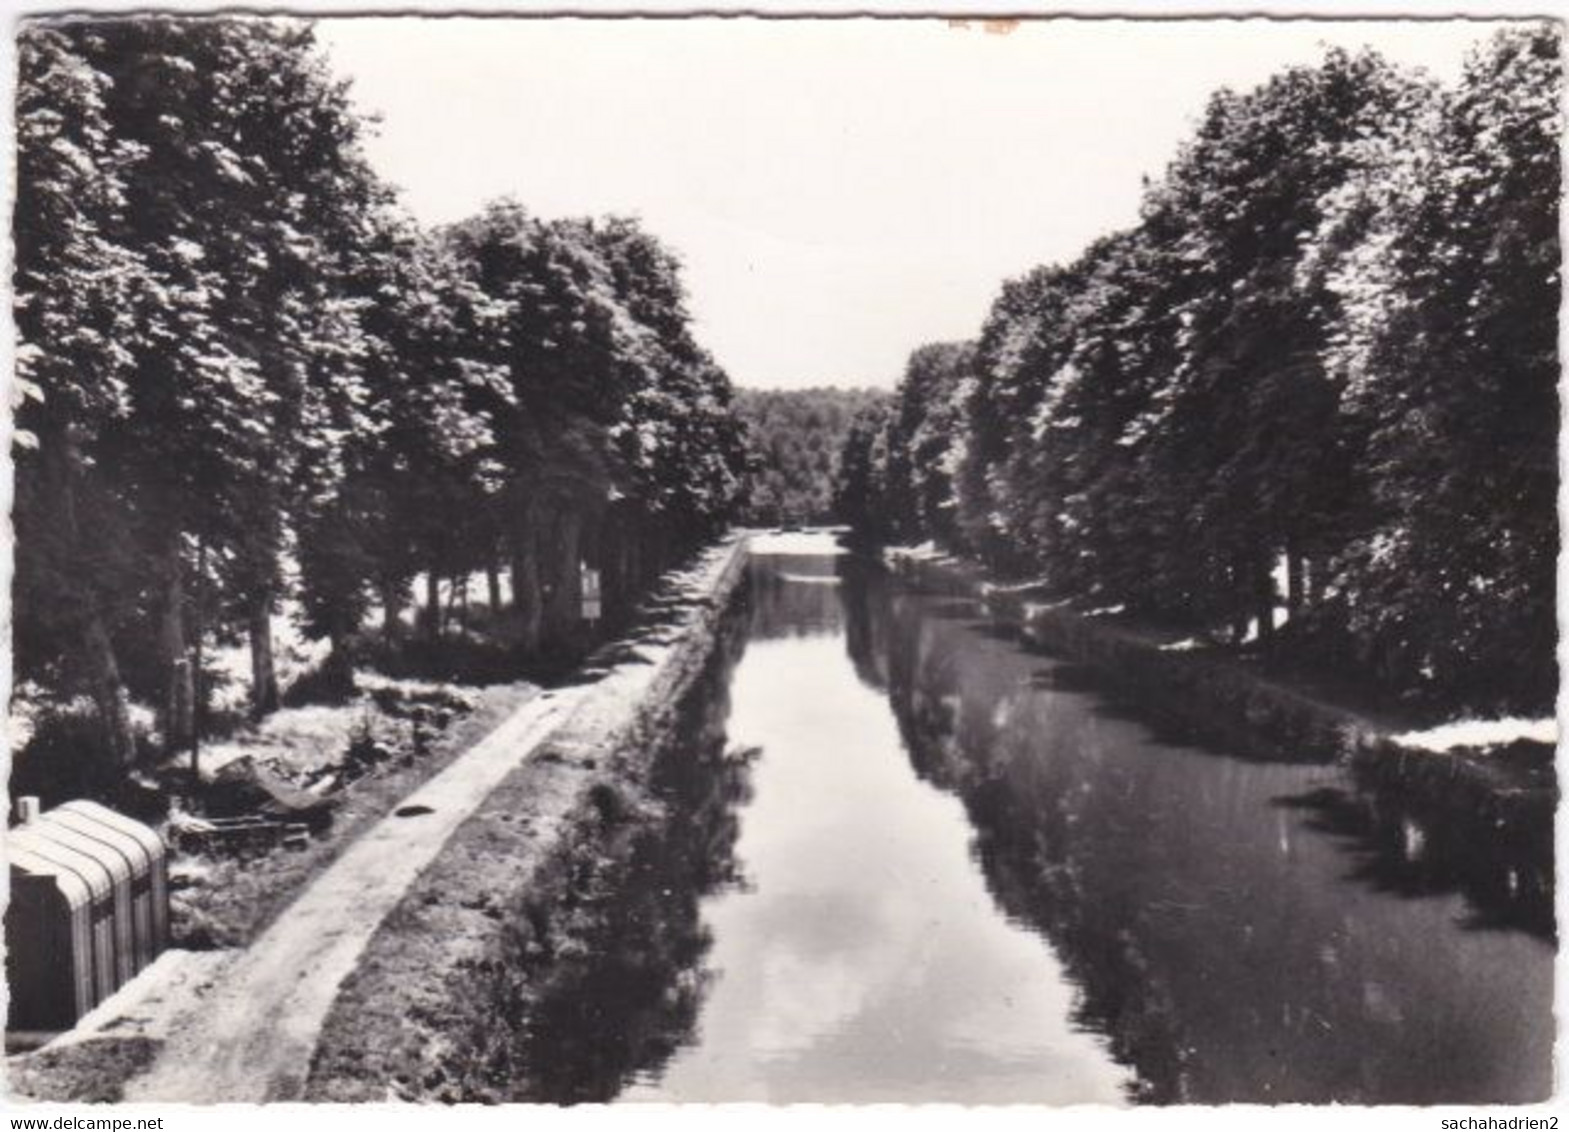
(859, 493)
(612, 403)
(1095, 511)
(247, 186)
(1327, 351)
(1008, 369)
(798, 434)
(1451, 287)
(418, 473)
(917, 481)
(680, 455)
(1250, 428)
(76, 555)
(243, 368)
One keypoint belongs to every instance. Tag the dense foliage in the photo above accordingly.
(245, 374)
(797, 435)
(1311, 396)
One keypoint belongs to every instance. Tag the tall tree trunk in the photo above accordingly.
(563, 597)
(493, 586)
(1239, 584)
(1296, 582)
(653, 554)
(1263, 574)
(433, 603)
(338, 669)
(391, 610)
(591, 557)
(179, 701)
(198, 681)
(1313, 573)
(527, 595)
(109, 696)
(264, 674)
(108, 686)
(613, 565)
(631, 581)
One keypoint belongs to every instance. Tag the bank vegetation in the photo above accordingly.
(250, 384)
(1305, 408)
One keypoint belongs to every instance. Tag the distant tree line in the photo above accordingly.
(1310, 398)
(797, 435)
(243, 373)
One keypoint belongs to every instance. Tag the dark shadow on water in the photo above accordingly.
(1119, 837)
(1168, 731)
(1406, 849)
(1066, 678)
(996, 631)
(865, 595)
(1108, 701)
(1237, 929)
(953, 608)
(1111, 701)
(629, 996)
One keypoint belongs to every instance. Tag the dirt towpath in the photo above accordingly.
(253, 1036)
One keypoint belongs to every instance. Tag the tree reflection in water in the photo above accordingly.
(628, 995)
(1241, 930)
(1417, 846)
(795, 595)
(1237, 929)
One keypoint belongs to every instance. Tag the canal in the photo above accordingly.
(904, 858)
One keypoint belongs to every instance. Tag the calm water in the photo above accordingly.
(908, 859)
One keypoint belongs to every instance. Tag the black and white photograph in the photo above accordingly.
(817, 558)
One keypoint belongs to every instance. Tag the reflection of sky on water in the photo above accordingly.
(795, 595)
(866, 959)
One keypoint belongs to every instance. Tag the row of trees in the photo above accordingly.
(797, 435)
(245, 373)
(1314, 388)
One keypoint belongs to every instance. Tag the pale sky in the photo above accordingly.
(840, 191)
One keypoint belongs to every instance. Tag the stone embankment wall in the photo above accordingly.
(440, 993)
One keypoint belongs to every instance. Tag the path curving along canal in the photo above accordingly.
(908, 859)
(250, 1039)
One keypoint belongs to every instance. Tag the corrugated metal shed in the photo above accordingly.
(49, 943)
(89, 909)
(144, 851)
